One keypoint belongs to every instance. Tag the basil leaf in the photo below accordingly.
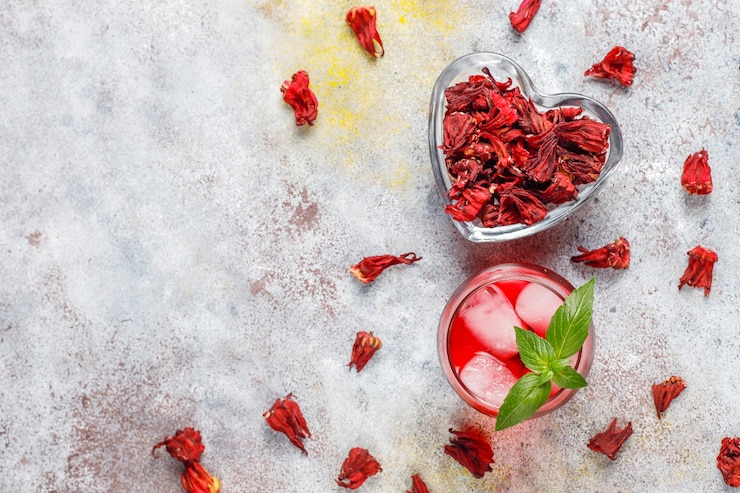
(522, 401)
(536, 352)
(568, 378)
(568, 328)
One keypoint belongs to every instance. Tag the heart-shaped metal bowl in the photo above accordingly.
(503, 68)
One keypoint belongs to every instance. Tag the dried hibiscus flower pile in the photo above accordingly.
(508, 161)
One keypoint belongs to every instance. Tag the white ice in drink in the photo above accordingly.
(536, 305)
(487, 378)
(490, 318)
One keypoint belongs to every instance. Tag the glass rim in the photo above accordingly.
(506, 272)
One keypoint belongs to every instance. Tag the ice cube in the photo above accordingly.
(490, 318)
(487, 378)
(536, 305)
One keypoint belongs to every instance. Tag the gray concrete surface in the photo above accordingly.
(174, 251)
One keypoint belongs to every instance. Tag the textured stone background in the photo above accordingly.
(174, 251)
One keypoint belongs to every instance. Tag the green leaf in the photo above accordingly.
(568, 328)
(522, 401)
(536, 352)
(568, 378)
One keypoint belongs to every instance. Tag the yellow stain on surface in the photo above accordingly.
(359, 114)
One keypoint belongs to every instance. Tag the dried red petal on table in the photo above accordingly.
(302, 99)
(196, 479)
(472, 451)
(369, 268)
(185, 446)
(610, 441)
(356, 468)
(617, 65)
(615, 255)
(697, 175)
(521, 18)
(418, 485)
(363, 349)
(286, 417)
(664, 393)
(728, 461)
(363, 22)
(699, 271)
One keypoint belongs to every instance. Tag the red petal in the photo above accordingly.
(356, 468)
(185, 446)
(363, 20)
(699, 271)
(302, 99)
(728, 461)
(610, 441)
(615, 255)
(697, 175)
(617, 64)
(286, 417)
(369, 268)
(521, 18)
(472, 451)
(365, 346)
(664, 393)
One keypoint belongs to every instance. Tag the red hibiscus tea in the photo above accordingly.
(476, 340)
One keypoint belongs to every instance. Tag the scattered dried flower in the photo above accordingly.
(302, 99)
(521, 18)
(363, 21)
(697, 176)
(472, 451)
(615, 255)
(369, 268)
(285, 416)
(185, 446)
(357, 467)
(617, 64)
(418, 485)
(699, 271)
(664, 393)
(610, 441)
(195, 479)
(363, 349)
(728, 461)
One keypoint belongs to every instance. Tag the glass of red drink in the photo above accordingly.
(476, 338)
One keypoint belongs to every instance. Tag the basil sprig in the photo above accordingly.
(549, 358)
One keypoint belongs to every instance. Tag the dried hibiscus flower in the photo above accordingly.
(699, 271)
(356, 468)
(664, 393)
(369, 268)
(617, 64)
(302, 99)
(521, 18)
(185, 446)
(615, 255)
(363, 349)
(285, 416)
(697, 176)
(728, 461)
(472, 451)
(363, 21)
(610, 441)
(508, 162)
(196, 479)
(418, 485)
